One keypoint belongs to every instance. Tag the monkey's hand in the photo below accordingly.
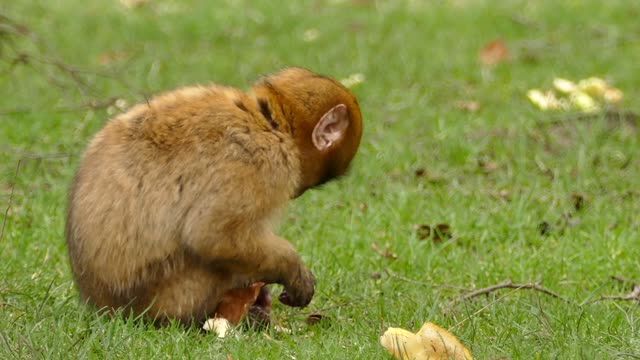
(300, 290)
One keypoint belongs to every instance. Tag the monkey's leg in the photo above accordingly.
(190, 295)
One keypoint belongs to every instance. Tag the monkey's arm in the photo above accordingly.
(262, 257)
(298, 281)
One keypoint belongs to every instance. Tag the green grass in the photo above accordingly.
(419, 58)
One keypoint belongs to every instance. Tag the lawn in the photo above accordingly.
(535, 197)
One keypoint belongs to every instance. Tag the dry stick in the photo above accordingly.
(619, 278)
(483, 309)
(400, 277)
(6, 212)
(28, 155)
(15, 29)
(12, 29)
(331, 307)
(505, 285)
(510, 285)
(634, 295)
(91, 105)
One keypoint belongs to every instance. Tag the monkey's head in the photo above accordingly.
(322, 116)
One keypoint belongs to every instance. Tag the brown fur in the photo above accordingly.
(173, 202)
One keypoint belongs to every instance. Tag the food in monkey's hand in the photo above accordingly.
(235, 306)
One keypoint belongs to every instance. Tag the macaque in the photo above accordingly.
(173, 203)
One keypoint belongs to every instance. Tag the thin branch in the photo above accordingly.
(505, 285)
(386, 253)
(634, 295)
(43, 60)
(619, 278)
(422, 283)
(629, 355)
(331, 307)
(28, 155)
(90, 105)
(509, 285)
(6, 212)
(483, 309)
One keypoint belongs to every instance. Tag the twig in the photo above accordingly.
(6, 24)
(509, 285)
(483, 309)
(386, 253)
(610, 115)
(619, 278)
(505, 285)
(324, 309)
(91, 105)
(6, 212)
(28, 155)
(629, 355)
(44, 60)
(634, 295)
(624, 280)
(406, 279)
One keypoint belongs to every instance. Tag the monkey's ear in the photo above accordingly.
(331, 127)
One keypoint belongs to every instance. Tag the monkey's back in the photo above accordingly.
(154, 177)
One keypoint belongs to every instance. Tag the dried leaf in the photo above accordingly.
(281, 329)
(579, 200)
(544, 228)
(493, 53)
(355, 27)
(112, 57)
(467, 105)
(313, 318)
(436, 178)
(502, 194)
(439, 232)
(385, 253)
(310, 35)
(353, 80)
(134, 3)
(489, 167)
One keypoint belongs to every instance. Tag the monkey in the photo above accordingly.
(174, 202)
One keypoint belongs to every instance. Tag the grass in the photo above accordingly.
(493, 175)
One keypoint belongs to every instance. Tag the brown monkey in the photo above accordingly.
(173, 201)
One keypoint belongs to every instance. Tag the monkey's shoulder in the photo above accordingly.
(268, 151)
